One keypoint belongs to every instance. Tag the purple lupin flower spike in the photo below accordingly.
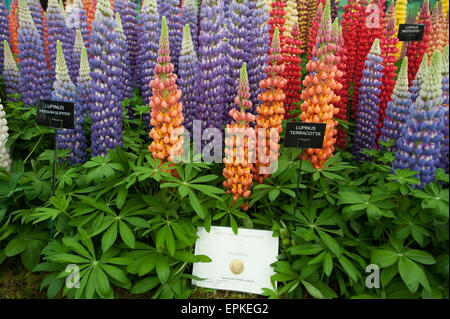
(444, 153)
(416, 84)
(4, 27)
(211, 86)
(84, 97)
(148, 40)
(258, 47)
(238, 18)
(64, 90)
(367, 118)
(36, 13)
(11, 74)
(57, 30)
(420, 143)
(76, 55)
(172, 11)
(189, 17)
(125, 90)
(128, 15)
(35, 83)
(398, 108)
(106, 111)
(186, 82)
(76, 19)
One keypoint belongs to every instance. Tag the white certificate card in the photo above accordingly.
(239, 262)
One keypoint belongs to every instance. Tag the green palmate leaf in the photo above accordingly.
(420, 256)
(126, 234)
(116, 273)
(384, 258)
(312, 290)
(330, 242)
(328, 264)
(145, 285)
(349, 267)
(305, 249)
(196, 204)
(170, 242)
(162, 269)
(412, 275)
(102, 285)
(109, 237)
(273, 194)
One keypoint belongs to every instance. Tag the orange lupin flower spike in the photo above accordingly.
(166, 110)
(13, 19)
(240, 143)
(320, 85)
(271, 111)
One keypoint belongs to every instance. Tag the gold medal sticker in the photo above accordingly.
(236, 266)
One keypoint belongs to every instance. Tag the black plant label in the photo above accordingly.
(55, 114)
(304, 135)
(410, 32)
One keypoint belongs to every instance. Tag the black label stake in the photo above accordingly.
(57, 115)
(303, 136)
(55, 157)
(302, 144)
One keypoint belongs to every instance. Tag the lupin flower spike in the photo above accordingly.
(367, 117)
(126, 89)
(365, 36)
(11, 74)
(33, 68)
(4, 27)
(37, 13)
(166, 109)
(271, 111)
(106, 111)
(240, 143)
(420, 144)
(189, 17)
(187, 70)
(291, 17)
(237, 50)
(400, 18)
(292, 72)
(128, 15)
(57, 30)
(64, 90)
(151, 27)
(398, 107)
(77, 20)
(13, 20)
(277, 20)
(420, 78)
(417, 49)
(211, 85)
(84, 85)
(258, 48)
(314, 29)
(303, 17)
(172, 11)
(444, 153)
(388, 49)
(76, 55)
(320, 85)
(351, 21)
(5, 159)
